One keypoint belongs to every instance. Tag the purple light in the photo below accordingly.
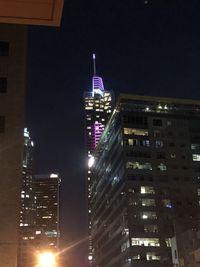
(97, 85)
(98, 130)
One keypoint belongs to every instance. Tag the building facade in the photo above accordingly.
(13, 44)
(145, 181)
(27, 213)
(98, 108)
(12, 90)
(47, 193)
(27, 236)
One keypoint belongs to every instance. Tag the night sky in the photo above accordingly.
(147, 47)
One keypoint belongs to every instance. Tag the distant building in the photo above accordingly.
(144, 180)
(98, 108)
(27, 213)
(47, 193)
(27, 210)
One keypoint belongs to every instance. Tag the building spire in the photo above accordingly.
(94, 63)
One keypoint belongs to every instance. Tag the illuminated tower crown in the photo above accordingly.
(97, 82)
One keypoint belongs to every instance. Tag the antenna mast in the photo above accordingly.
(94, 63)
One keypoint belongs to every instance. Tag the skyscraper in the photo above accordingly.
(27, 212)
(47, 193)
(145, 181)
(27, 236)
(98, 108)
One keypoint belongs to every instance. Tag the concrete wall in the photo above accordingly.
(11, 140)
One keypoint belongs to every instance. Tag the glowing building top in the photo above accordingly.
(97, 81)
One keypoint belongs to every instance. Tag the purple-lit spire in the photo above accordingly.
(97, 82)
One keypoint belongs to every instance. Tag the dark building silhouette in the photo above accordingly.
(145, 180)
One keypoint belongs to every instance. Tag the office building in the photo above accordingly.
(47, 193)
(13, 44)
(27, 212)
(145, 178)
(98, 108)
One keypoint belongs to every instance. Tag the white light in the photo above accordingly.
(53, 175)
(90, 162)
(90, 257)
(144, 216)
(46, 259)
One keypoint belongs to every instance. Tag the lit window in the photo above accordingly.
(147, 190)
(162, 167)
(198, 191)
(130, 142)
(151, 215)
(38, 232)
(167, 203)
(136, 257)
(195, 146)
(137, 165)
(125, 245)
(135, 131)
(168, 242)
(147, 202)
(159, 144)
(151, 228)
(147, 242)
(196, 157)
(152, 256)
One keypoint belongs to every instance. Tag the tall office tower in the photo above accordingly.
(13, 41)
(27, 239)
(47, 192)
(27, 212)
(98, 108)
(145, 181)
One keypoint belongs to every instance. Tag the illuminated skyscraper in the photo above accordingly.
(145, 181)
(98, 108)
(27, 195)
(47, 193)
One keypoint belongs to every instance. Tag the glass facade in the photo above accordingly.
(98, 108)
(134, 201)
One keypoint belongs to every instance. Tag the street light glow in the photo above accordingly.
(47, 259)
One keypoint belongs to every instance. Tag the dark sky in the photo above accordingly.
(143, 47)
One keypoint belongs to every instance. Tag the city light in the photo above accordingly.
(46, 259)
(91, 162)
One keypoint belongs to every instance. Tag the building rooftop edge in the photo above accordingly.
(158, 99)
